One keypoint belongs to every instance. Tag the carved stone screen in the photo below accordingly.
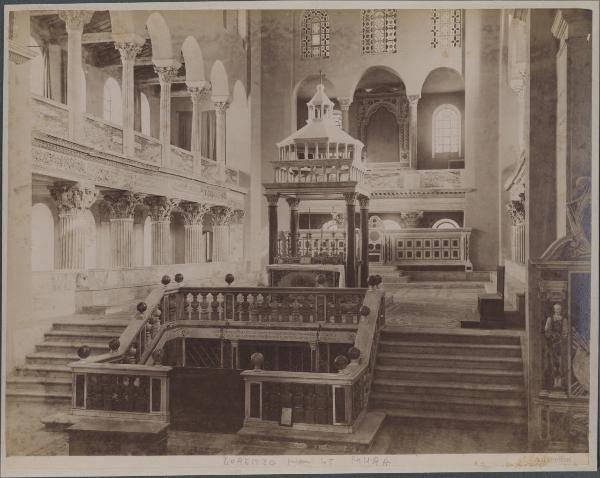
(446, 28)
(378, 31)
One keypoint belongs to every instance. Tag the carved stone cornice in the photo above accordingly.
(75, 20)
(293, 203)
(128, 50)
(73, 198)
(161, 207)
(166, 74)
(19, 53)
(410, 219)
(193, 213)
(122, 204)
(221, 215)
(419, 193)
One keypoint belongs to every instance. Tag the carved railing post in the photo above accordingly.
(72, 201)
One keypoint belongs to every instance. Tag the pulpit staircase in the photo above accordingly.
(45, 374)
(450, 375)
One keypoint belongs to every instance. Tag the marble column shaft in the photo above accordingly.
(345, 107)
(193, 214)
(294, 225)
(128, 51)
(75, 20)
(221, 217)
(166, 74)
(350, 239)
(272, 200)
(413, 101)
(160, 215)
(122, 205)
(221, 136)
(364, 238)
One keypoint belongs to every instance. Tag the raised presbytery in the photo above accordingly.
(299, 226)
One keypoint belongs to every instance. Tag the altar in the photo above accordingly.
(306, 275)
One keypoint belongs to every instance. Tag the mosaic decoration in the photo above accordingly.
(315, 34)
(378, 31)
(446, 28)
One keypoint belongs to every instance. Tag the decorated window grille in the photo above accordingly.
(315, 34)
(378, 31)
(446, 131)
(446, 28)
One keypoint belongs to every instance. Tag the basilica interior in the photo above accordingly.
(325, 227)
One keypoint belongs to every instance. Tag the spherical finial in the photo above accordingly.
(179, 277)
(114, 344)
(340, 362)
(142, 307)
(257, 359)
(84, 352)
(165, 280)
(229, 279)
(353, 353)
(365, 310)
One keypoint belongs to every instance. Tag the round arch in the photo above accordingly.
(160, 35)
(219, 80)
(371, 70)
(442, 80)
(305, 89)
(445, 223)
(194, 60)
(42, 238)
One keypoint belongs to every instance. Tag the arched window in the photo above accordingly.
(445, 224)
(378, 31)
(315, 34)
(112, 101)
(446, 131)
(145, 114)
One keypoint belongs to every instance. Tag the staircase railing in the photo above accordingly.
(338, 399)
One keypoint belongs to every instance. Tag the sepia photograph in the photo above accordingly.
(299, 237)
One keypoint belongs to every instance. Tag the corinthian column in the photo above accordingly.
(197, 91)
(345, 107)
(72, 201)
(193, 215)
(122, 206)
(236, 235)
(166, 74)
(128, 51)
(221, 105)
(160, 209)
(221, 217)
(75, 20)
(413, 101)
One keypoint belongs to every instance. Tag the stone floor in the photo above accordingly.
(432, 304)
(26, 436)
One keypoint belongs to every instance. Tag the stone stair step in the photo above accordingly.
(445, 416)
(70, 348)
(80, 336)
(115, 326)
(41, 358)
(41, 384)
(35, 395)
(438, 348)
(443, 400)
(40, 370)
(111, 309)
(454, 338)
(460, 361)
(455, 408)
(446, 374)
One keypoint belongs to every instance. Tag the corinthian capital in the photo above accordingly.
(345, 103)
(128, 50)
(122, 204)
(413, 100)
(198, 90)
(221, 215)
(75, 19)
(410, 219)
(160, 207)
(166, 74)
(73, 198)
(193, 212)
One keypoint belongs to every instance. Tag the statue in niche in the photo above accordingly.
(578, 215)
(556, 331)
